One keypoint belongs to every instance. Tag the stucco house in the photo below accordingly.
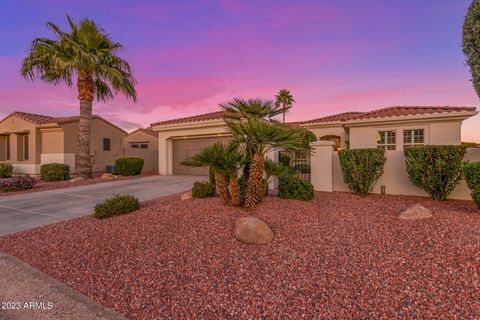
(143, 143)
(29, 140)
(393, 128)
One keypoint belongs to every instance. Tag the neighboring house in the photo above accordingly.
(143, 143)
(391, 128)
(30, 140)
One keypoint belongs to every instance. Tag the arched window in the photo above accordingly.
(336, 139)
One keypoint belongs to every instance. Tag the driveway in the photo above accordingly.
(25, 211)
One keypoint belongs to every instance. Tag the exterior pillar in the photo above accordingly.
(322, 165)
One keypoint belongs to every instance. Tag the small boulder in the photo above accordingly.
(107, 176)
(77, 179)
(251, 230)
(187, 196)
(416, 212)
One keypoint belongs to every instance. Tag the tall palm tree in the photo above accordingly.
(285, 100)
(258, 137)
(88, 55)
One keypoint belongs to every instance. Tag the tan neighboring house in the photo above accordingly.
(392, 128)
(143, 143)
(30, 140)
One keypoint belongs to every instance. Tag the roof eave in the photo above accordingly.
(188, 125)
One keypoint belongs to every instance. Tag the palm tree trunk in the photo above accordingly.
(222, 188)
(255, 185)
(83, 165)
(235, 191)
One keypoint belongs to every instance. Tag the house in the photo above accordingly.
(393, 128)
(143, 143)
(29, 140)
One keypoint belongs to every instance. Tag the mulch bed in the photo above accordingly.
(337, 257)
(52, 185)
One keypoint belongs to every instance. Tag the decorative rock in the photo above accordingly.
(107, 176)
(77, 179)
(187, 196)
(251, 230)
(416, 212)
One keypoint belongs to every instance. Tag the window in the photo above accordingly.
(106, 144)
(414, 137)
(25, 147)
(134, 145)
(139, 145)
(387, 140)
(144, 145)
(7, 147)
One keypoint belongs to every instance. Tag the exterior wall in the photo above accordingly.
(150, 155)
(166, 137)
(337, 130)
(436, 132)
(395, 178)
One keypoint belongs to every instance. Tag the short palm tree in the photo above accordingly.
(284, 100)
(87, 55)
(228, 165)
(255, 108)
(275, 169)
(258, 137)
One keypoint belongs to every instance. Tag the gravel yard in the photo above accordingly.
(339, 256)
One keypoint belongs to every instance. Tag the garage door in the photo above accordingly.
(183, 148)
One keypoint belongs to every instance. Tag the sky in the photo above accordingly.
(189, 56)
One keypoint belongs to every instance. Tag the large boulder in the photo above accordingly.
(416, 212)
(251, 230)
(186, 196)
(107, 176)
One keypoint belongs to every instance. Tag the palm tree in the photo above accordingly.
(88, 55)
(254, 108)
(285, 100)
(275, 169)
(257, 138)
(228, 164)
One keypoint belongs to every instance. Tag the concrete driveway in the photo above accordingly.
(25, 211)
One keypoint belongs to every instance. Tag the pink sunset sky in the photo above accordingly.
(188, 57)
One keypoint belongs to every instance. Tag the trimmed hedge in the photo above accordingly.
(6, 170)
(17, 183)
(129, 166)
(472, 175)
(295, 188)
(437, 169)
(115, 206)
(55, 172)
(361, 168)
(203, 189)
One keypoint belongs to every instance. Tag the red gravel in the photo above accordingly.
(339, 256)
(46, 185)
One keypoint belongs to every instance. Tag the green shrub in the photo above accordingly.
(472, 175)
(203, 189)
(17, 183)
(129, 166)
(55, 172)
(6, 170)
(116, 205)
(302, 168)
(435, 169)
(284, 159)
(361, 168)
(295, 188)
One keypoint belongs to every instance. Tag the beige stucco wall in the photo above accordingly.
(436, 132)
(395, 178)
(149, 156)
(336, 130)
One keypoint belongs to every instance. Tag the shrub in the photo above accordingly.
(129, 166)
(361, 168)
(6, 170)
(435, 169)
(284, 159)
(203, 189)
(17, 183)
(472, 175)
(116, 205)
(302, 168)
(295, 188)
(55, 172)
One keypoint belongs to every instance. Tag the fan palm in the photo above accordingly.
(275, 169)
(253, 108)
(87, 55)
(258, 137)
(228, 164)
(285, 100)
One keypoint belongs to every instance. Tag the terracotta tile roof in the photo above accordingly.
(340, 117)
(408, 111)
(146, 131)
(201, 117)
(41, 119)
